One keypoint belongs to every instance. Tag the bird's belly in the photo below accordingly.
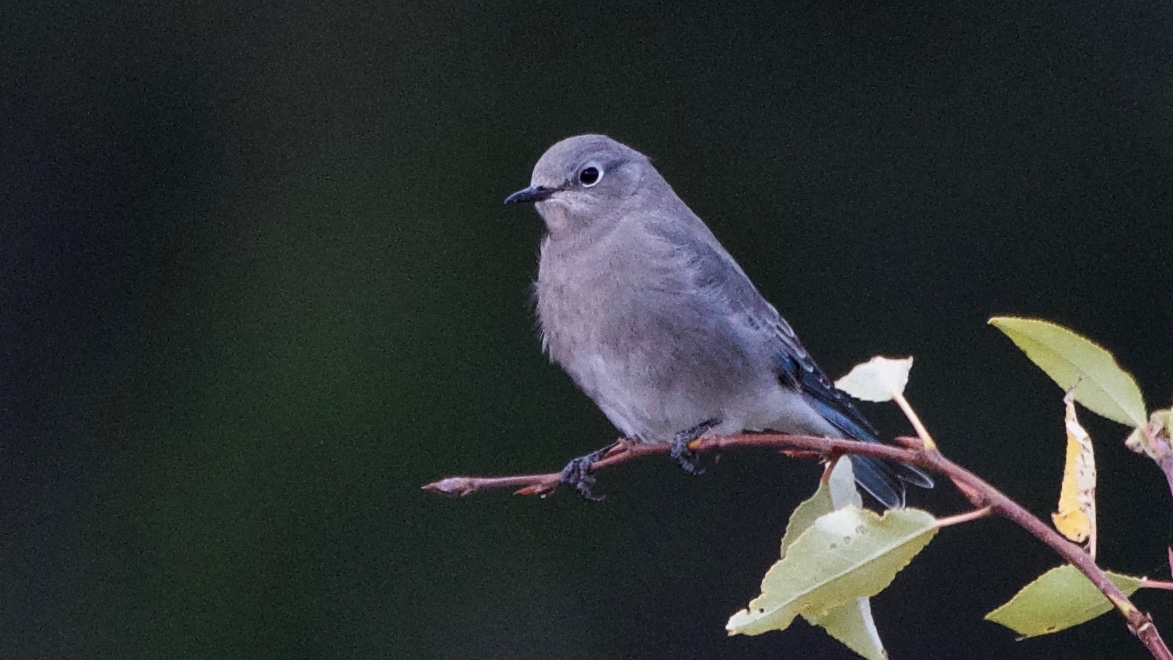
(652, 398)
(655, 363)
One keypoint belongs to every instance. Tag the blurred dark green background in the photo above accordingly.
(258, 286)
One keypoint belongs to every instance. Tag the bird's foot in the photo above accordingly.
(577, 474)
(689, 459)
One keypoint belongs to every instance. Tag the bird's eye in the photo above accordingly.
(589, 176)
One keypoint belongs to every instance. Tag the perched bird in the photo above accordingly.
(652, 318)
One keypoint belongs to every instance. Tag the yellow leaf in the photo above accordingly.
(1076, 518)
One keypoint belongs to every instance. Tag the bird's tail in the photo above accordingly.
(887, 482)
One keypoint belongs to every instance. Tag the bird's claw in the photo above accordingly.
(577, 474)
(689, 459)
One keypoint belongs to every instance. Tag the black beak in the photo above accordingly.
(531, 194)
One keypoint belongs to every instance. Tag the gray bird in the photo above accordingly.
(654, 321)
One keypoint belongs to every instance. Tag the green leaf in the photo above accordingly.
(1060, 598)
(808, 512)
(878, 379)
(847, 554)
(1077, 363)
(836, 492)
(853, 626)
(851, 623)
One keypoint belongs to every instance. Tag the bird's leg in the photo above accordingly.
(577, 473)
(689, 459)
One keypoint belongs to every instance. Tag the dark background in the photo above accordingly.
(258, 286)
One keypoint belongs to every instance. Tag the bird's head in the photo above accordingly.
(584, 180)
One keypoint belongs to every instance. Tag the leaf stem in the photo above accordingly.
(930, 444)
(964, 517)
(1156, 584)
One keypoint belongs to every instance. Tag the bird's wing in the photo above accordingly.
(715, 272)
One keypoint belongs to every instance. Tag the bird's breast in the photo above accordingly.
(577, 301)
(652, 351)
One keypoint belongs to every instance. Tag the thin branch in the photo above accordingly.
(964, 517)
(542, 484)
(981, 494)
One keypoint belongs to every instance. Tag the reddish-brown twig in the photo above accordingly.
(981, 494)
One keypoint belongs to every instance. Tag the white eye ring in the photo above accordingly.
(590, 175)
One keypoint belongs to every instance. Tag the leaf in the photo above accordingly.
(1059, 599)
(1076, 518)
(841, 486)
(1078, 364)
(1160, 428)
(1156, 441)
(878, 379)
(847, 554)
(853, 626)
(808, 512)
(836, 492)
(851, 623)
